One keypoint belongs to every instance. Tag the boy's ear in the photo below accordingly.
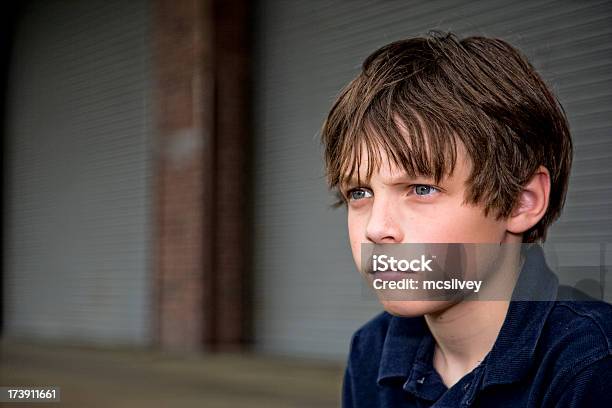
(532, 203)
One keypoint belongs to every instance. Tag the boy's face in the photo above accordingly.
(394, 208)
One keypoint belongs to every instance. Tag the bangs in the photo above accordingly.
(416, 143)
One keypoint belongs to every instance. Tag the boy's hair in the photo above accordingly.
(416, 99)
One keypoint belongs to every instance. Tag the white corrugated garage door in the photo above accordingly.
(78, 173)
(305, 52)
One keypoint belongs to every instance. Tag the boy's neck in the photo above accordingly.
(464, 334)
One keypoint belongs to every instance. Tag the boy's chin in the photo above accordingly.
(414, 308)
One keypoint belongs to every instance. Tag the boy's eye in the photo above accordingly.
(424, 189)
(359, 193)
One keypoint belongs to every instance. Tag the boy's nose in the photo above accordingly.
(383, 225)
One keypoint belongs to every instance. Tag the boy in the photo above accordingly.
(441, 140)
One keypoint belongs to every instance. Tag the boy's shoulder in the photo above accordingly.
(574, 351)
(590, 315)
(577, 333)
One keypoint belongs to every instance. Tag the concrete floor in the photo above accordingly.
(91, 377)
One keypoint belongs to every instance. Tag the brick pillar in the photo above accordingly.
(202, 150)
(184, 162)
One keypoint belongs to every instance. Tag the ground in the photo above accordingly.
(95, 377)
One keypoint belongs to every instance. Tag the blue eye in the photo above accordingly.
(424, 189)
(359, 193)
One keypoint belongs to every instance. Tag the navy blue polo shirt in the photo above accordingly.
(555, 353)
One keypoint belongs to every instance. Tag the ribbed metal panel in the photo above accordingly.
(308, 296)
(79, 172)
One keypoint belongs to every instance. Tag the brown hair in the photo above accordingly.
(416, 99)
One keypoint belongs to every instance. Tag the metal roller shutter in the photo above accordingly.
(305, 53)
(78, 174)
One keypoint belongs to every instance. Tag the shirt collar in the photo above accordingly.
(400, 346)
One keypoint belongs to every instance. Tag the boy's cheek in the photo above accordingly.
(356, 228)
(356, 241)
(357, 237)
(471, 226)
